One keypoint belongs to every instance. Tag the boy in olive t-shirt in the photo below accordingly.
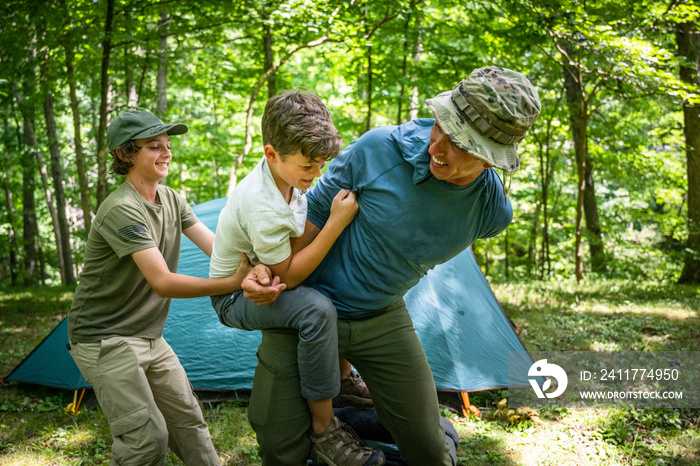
(120, 306)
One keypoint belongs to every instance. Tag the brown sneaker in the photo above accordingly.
(339, 446)
(353, 392)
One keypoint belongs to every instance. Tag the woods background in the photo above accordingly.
(610, 184)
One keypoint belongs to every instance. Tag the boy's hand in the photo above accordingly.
(258, 287)
(344, 208)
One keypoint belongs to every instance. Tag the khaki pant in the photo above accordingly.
(386, 351)
(147, 399)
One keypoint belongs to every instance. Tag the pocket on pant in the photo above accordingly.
(85, 356)
(138, 439)
(269, 367)
(129, 422)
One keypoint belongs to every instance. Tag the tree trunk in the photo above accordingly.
(689, 47)
(63, 236)
(42, 260)
(54, 220)
(129, 81)
(368, 90)
(85, 202)
(29, 156)
(506, 264)
(9, 209)
(58, 215)
(532, 252)
(547, 166)
(544, 253)
(574, 99)
(544, 162)
(404, 70)
(546, 176)
(368, 119)
(590, 209)
(162, 77)
(102, 189)
(144, 71)
(586, 200)
(417, 52)
(269, 59)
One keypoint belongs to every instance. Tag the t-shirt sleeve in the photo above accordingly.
(187, 216)
(498, 213)
(342, 173)
(270, 237)
(126, 230)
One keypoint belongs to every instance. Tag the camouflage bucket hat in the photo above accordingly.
(138, 124)
(488, 114)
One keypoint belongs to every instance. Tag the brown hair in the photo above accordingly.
(295, 120)
(121, 165)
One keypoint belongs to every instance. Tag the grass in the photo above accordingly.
(556, 316)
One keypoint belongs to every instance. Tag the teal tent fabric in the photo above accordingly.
(50, 363)
(466, 335)
(214, 356)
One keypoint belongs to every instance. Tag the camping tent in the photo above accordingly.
(466, 335)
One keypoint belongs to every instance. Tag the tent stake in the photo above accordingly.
(74, 407)
(469, 409)
(77, 407)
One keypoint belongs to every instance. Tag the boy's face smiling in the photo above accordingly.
(152, 161)
(294, 171)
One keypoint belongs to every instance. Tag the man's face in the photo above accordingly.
(450, 163)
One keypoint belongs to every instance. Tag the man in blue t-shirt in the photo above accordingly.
(426, 190)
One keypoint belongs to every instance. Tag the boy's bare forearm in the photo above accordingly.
(168, 284)
(187, 286)
(302, 262)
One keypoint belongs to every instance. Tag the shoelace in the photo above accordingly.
(348, 436)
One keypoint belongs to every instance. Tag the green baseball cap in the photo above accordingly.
(138, 124)
(488, 114)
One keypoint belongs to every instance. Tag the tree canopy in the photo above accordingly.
(610, 178)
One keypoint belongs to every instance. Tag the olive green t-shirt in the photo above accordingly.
(113, 298)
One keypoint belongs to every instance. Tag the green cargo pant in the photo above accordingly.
(145, 395)
(386, 351)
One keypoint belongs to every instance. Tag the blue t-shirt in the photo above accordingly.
(408, 221)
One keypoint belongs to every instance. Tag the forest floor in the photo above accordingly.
(561, 316)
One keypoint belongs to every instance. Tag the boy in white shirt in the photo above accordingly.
(262, 218)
